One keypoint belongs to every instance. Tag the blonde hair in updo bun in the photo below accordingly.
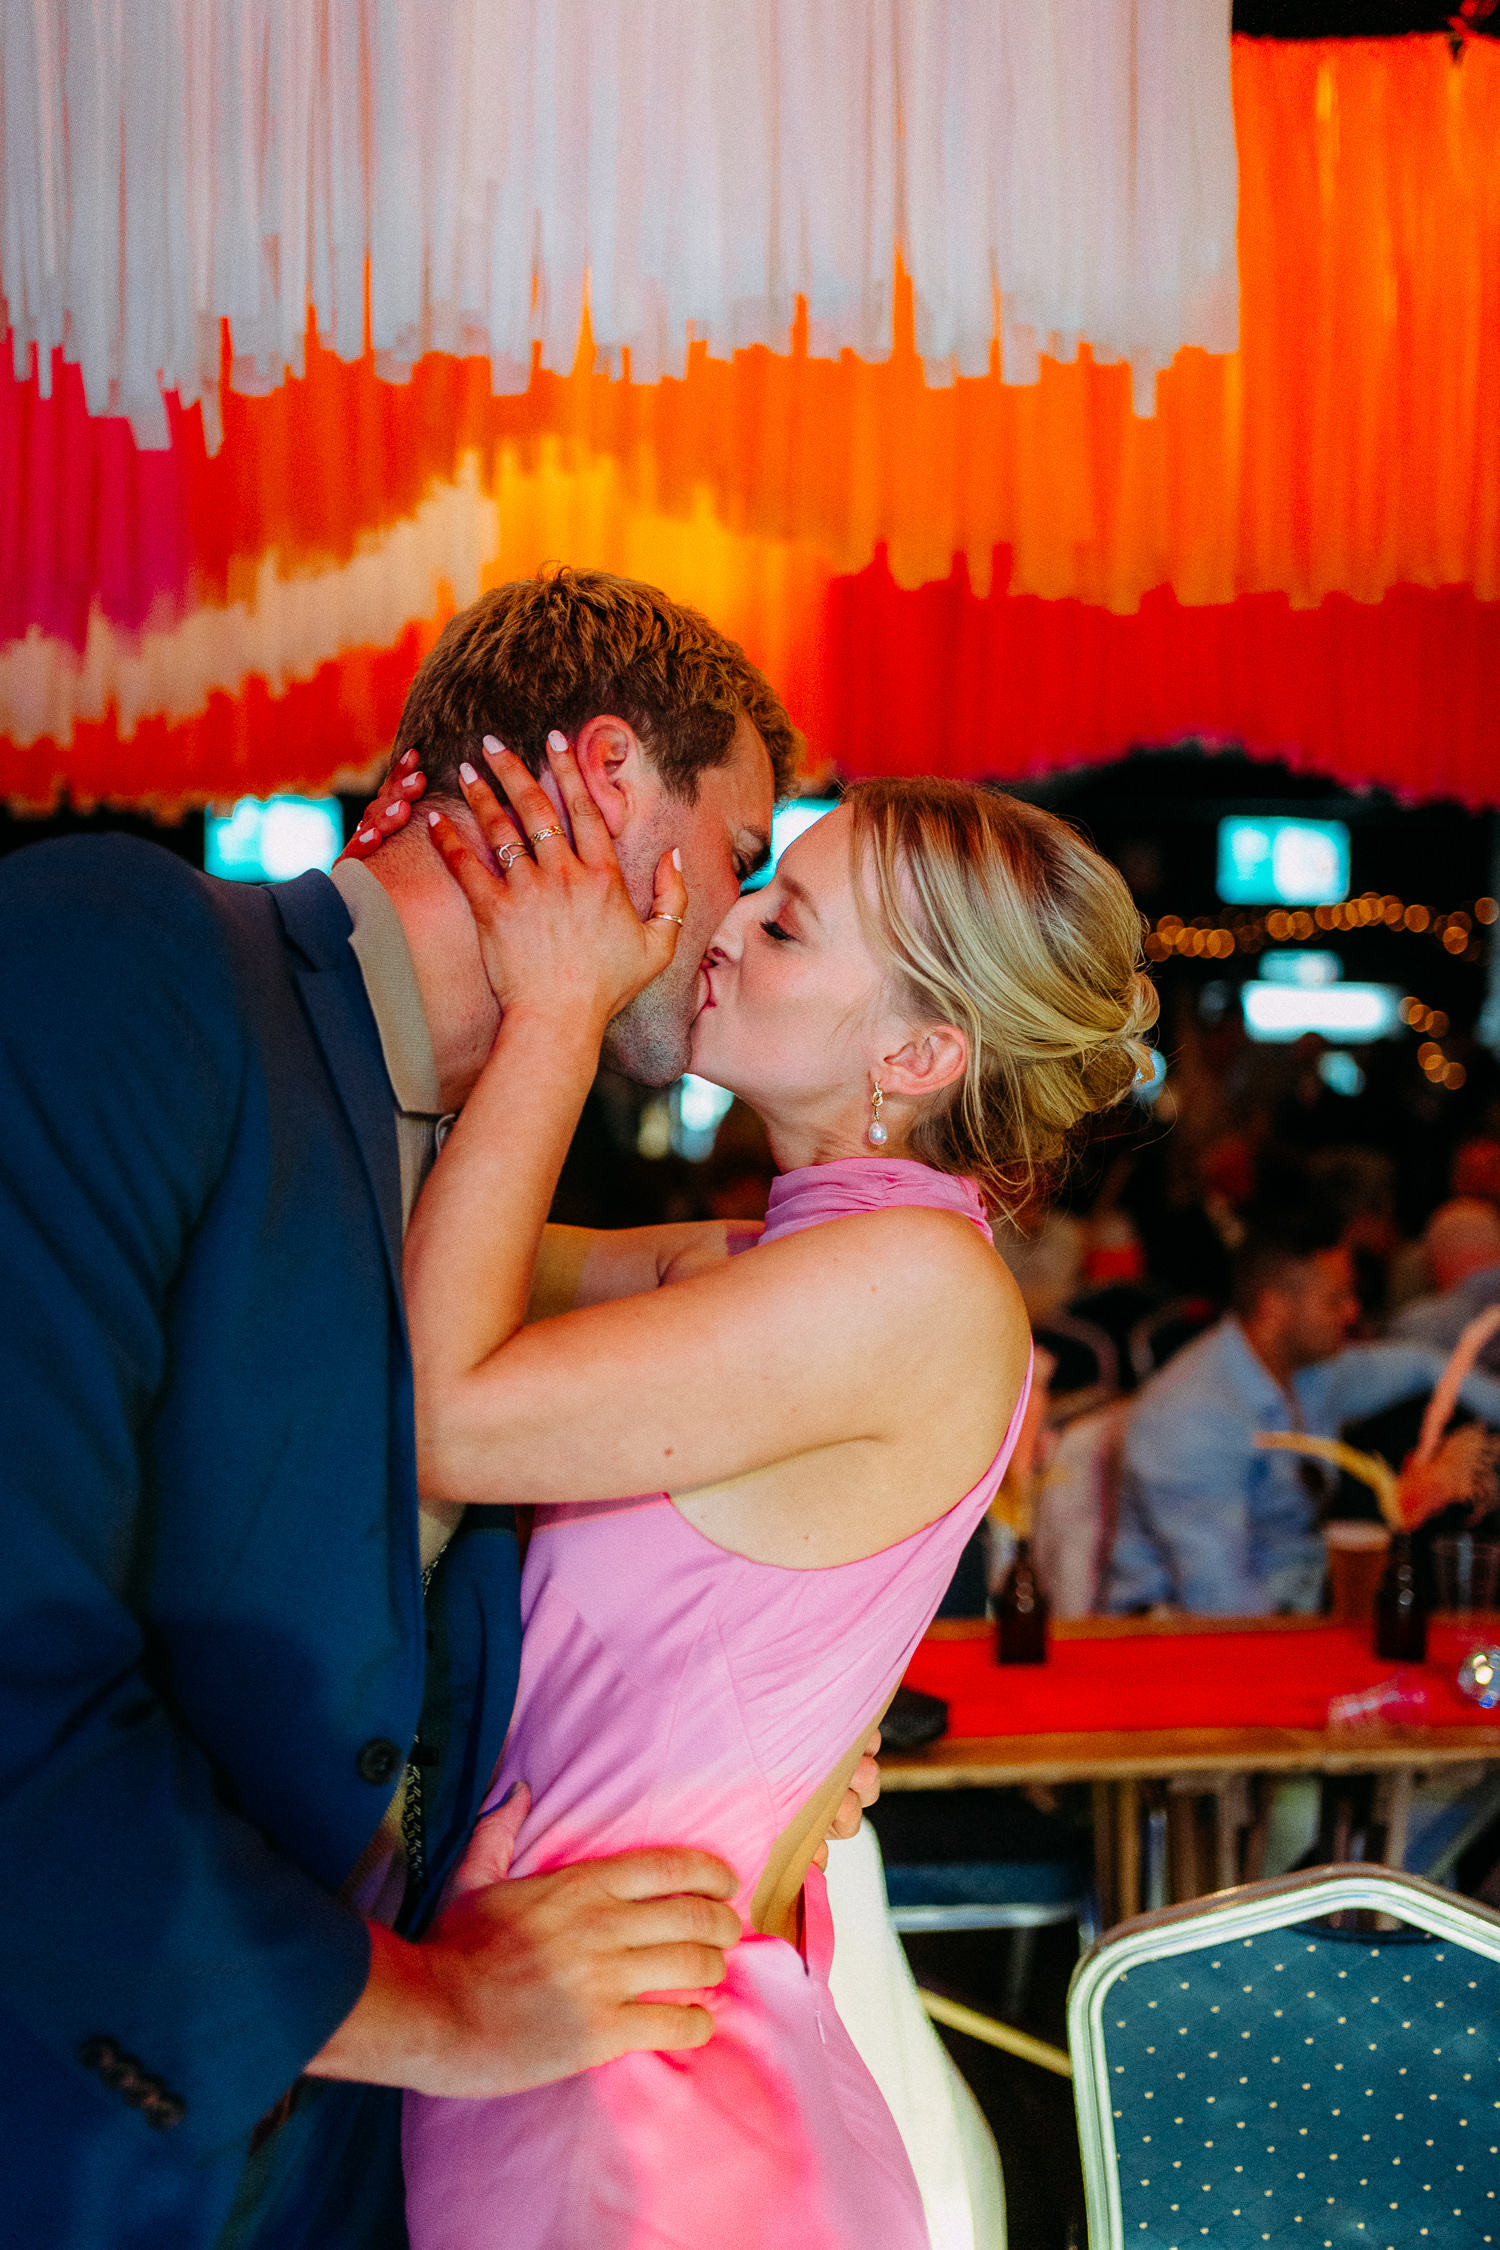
(998, 918)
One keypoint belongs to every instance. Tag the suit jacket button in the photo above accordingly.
(378, 1761)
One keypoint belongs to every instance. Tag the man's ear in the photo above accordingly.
(613, 766)
(932, 1058)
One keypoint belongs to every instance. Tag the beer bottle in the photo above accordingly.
(1021, 1613)
(1400, 1611)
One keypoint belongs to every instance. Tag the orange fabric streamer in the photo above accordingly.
(1352, 444)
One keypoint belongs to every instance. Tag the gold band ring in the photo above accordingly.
(540, 835)
(677, 918)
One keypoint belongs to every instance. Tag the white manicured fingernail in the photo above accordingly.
(467, 773)
(433, 818)
(367, 835)
(492, 747)
(393, 806)
(557, 742)
(677, 859)
(412, 781)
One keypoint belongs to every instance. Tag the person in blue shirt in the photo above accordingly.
(1208, 1522)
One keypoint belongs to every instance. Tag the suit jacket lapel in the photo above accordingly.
(317, 921)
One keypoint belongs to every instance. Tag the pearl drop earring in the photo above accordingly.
(875, 1132)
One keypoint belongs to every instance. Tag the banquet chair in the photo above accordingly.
(1088, 1365)
(952, 1863)
(1190, 2031)
(1018, 1896)
(1118, 1307)
(1077, 1508)
(1161, 1334)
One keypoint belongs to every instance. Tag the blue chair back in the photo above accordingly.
(1246, 2074)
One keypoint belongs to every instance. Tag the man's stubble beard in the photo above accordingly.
(650, 1039)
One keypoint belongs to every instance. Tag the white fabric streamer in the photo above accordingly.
(1051, 170)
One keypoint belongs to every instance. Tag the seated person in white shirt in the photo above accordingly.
(1461, 1244)
(1209, 1523)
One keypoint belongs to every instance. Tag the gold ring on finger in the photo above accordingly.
(540, 835)
(507, 853)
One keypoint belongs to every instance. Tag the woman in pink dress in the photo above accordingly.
(936, 986)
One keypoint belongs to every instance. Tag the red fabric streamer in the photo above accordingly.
(1403, 692)
(252, 744)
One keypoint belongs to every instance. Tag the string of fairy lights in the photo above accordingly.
(1210, 938)
(1216, 940)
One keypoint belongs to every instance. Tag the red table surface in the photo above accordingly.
(1148, 1682)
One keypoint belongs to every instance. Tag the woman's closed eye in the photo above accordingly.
(775, 930)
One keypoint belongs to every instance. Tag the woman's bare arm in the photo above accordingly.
(579, 1266)
(883, 1334)
(847, 1334)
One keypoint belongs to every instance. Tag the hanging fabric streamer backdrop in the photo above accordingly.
(694, 166)
(1301, 548)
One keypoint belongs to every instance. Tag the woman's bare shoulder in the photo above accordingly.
(945, 1272)
(899, 1330)
(924, 1239)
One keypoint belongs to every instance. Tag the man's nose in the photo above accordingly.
(729, 936)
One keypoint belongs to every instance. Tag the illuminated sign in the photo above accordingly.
(1349, 1014)
(271, 839)
(1283, 862)
(1301, 968)
(789, 822)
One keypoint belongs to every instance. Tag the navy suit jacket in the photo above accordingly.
(211, 1632)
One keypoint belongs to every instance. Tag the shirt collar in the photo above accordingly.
(1256, 1381)
(379, 945)
(1302, 1405)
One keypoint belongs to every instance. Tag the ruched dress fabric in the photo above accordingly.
(674, 1693)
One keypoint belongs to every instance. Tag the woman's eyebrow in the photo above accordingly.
(801, 894)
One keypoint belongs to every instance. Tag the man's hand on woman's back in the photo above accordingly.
(523, 1982)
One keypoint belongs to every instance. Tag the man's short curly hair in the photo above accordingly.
(1281, 1240)
(568, 645)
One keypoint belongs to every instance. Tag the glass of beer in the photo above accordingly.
(1356, 1556)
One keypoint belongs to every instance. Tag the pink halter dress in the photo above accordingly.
(674, 1693)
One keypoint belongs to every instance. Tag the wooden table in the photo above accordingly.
(1191, 1762)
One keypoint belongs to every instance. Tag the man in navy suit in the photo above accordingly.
(237, 1760)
